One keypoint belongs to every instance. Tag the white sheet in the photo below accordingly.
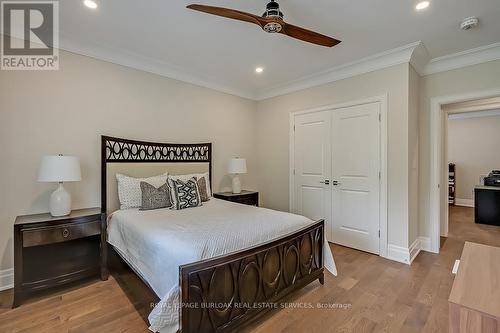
(157, 242)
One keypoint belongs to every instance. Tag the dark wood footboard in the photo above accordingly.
(220, 294)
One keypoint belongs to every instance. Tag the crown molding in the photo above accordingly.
(415, 53)
(372, 63)
(146, 64)
(466, 58)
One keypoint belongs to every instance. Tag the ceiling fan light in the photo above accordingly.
(273, 27)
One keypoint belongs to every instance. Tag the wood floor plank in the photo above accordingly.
(370, 294)
(395, 315)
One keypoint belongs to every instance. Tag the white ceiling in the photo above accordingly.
(225, 52)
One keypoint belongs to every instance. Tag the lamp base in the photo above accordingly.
(60, 202)
(236, 184)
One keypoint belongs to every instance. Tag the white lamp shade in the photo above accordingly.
(237, 166)
(59, 169)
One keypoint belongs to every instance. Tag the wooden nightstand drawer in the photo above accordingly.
(248, 201)
(250, 198)
(60, 233)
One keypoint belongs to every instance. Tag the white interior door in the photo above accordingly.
(356, 176)
(312, 164)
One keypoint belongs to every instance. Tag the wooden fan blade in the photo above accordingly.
(230, 13)
(308, 35)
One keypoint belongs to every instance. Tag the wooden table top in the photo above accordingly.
(46, 217)
(477, 284)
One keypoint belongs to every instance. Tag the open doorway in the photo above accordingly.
(451, 140)
(472, 154)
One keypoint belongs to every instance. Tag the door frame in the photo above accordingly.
(437, 200)
(382, 99)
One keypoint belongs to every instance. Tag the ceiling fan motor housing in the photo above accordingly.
(273, 11)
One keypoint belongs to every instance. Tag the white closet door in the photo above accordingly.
(312, 163)
(355, 181)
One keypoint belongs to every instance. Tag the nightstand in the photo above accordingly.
(245, 197)
(51, 251)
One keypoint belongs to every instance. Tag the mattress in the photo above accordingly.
(156, 242)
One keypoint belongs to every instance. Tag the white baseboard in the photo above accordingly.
(425, 243)
(414, 249)
(398, 253)
(407, 255)
(464, 202)
(6, 279)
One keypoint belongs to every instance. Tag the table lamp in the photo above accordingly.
(237, 166)
(59, 169)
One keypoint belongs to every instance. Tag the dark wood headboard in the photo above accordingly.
(116, 150)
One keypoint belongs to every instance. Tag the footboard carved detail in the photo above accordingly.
(222, 293)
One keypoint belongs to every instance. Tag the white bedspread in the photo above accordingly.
(157, 242)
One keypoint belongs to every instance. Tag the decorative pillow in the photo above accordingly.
(184, 194)
(202, 186)
(198, 176)
(155, 198)
(129, 189)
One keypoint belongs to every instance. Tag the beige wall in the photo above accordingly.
(273, 138)
(473, 147)
(465, 80)
(66, 111)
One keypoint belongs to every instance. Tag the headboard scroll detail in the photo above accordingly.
(117, 150)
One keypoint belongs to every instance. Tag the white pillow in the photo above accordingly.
(185, 178)
(129, 189)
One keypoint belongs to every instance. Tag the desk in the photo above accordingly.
(487, 205)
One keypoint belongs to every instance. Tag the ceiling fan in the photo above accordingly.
(271, 21)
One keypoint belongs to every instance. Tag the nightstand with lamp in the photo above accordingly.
(238, 166)
(63, 246)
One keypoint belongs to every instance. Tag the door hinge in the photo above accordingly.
(379, 117)
(379, 234)
(294, 171)
(294, 128)
(379, 175)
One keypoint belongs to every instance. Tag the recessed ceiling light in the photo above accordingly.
(90, 3)
(259, 70)
(422, 5)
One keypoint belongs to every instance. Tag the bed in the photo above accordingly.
(215, 267)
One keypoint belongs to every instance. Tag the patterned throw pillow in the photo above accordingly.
(202, 186)
(184, 194)
(129, 189)
(155, 198)
(187, 177)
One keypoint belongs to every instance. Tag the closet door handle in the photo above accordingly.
(326, 182)
(335, 183)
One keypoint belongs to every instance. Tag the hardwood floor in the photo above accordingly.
(370, 294)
